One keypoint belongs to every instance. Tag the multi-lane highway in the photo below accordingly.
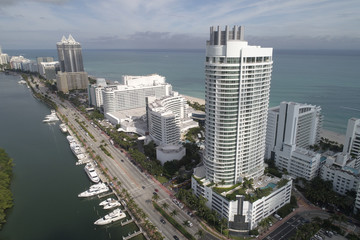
(139, 185)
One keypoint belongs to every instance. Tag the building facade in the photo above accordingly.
(237, 88)
(251, 211)
(292, 124)
(352, 140)
(95, 93)
(71, 81)
(72, 75)
(69, 55)
(343, 177)
(291, 129)
(121, 97)
(4, 58)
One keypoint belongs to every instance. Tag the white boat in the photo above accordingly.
(95, 190)
(75, 148)
(70, 139)
(51, 117)
(90, 171)
(106, 201)
(110, 203)
(114, 216)
(22, 81)
(63, 127)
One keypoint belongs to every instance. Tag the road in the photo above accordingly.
(139, 185)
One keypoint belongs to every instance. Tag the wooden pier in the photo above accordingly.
(127, 222)
(132, 235)
(106, 194)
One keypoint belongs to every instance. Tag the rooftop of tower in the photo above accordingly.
(69, 40)
(220, 37)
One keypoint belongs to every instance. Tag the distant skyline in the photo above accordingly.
(178, 24)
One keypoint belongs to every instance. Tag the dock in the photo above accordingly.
(127, 222)
(132, 235)
(105, 194)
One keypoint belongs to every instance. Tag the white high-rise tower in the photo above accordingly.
(237, 91)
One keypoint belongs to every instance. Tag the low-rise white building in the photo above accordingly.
(338, 170)
(243, 211)
(165, 153)
(299, 162)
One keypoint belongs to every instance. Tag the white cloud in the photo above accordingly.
(92, 19)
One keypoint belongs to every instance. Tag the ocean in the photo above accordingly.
(327, 78)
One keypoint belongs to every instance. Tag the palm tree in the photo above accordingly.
(165, 205)
(155, 197)
(173, 213)
(199, 233)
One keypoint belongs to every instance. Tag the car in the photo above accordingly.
(162, 221)
(122, 160)
(154, 193)
(143, 187)
(156, 190)
(175, 237)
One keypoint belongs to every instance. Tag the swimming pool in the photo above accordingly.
(272, 185)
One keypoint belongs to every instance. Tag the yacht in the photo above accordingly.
(90, 171)
(95, 190)
(106, 201)
(75, 148)
(51, 117)
(110, 203)
(114, 216)
(63, 127)
(70, 139)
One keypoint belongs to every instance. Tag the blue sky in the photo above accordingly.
(283, 24)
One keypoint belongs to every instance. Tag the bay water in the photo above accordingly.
(327, 78)
(46, 180)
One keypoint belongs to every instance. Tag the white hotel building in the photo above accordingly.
(352, 140)
(291, 129)
(117, 98)
(237, 89)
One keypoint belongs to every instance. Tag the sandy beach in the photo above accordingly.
(333, 136)
(194, 99)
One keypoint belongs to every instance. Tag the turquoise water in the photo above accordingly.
(328, 78)
(271, 185)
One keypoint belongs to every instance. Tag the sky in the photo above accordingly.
(179, 24)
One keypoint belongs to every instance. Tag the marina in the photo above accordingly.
(113, 216)
(37, 222)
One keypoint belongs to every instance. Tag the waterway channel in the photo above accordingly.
(46, 180)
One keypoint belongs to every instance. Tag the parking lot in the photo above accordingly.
(288, 229)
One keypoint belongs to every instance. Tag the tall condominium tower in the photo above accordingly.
(70, 57)
(237, 88)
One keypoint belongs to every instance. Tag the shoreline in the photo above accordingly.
(331, 135)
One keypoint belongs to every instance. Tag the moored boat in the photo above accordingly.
(63, 127)
(95, 190)
(90, 171)
(112, 204)
(114, 216)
